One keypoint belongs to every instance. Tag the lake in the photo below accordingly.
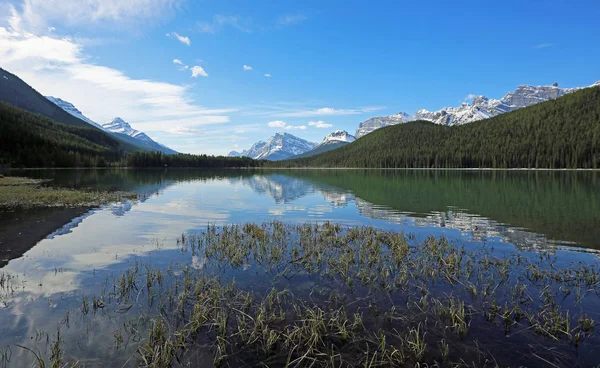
(56, 258)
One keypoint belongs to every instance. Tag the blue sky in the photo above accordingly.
(332, 63)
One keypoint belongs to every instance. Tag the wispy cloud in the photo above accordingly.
(59, 67)
(183, 39)
(247, 67)
(177, 61)
(221, 21)
(284, 125)
(543, 45)
(319, 124)
(469, 97)
(291, 19)
(300, 127)
(277, 124)
(267, 75)
(51, 29)
(179, 130)
(198, 71)
(327, 111)
(37, 15)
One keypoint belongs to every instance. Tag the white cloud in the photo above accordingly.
(198, 71)
(301, 127)
(51, 29)
(268, 75)
(283, 124)
(177, 61)
(327, 111)
(319, 124)
(220, 21)
(36, 15)
(182, 130)
(277, 124)
(288, 20)
(183, 39)
(247, 67)
(59, 67)
(543, 45)
(469, 97)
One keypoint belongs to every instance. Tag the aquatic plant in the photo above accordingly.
(275, 294)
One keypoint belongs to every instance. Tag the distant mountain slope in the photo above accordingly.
(560, 133)
(122, 128)
(117, 127)
(281, 146)
(71, 109)
(336, 139)
(16, 92)
(481, 108)
(33, 140)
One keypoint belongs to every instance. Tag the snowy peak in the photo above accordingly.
(480, 108)
(278, 147)
(338, 136)
(71, 109)
(526, 95)
(118, 125)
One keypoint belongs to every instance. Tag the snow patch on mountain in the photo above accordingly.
(71, 109)
(377, 122)
(118, 125)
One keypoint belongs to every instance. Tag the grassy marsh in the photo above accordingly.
(20, 192)
(284, 295)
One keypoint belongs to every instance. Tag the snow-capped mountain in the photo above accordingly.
(234, 154)
(481, 108)
(118, 125)
(278, 147)
(377, 122)
(337, 137)
(334, 140)
(68, 107)
(122, 128)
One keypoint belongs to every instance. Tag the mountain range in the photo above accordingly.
(558, 133)
(480, 108)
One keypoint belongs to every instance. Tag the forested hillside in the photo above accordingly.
(561, 133)
(16, 92)
(32, 140)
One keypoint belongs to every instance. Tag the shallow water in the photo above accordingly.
(526, 212)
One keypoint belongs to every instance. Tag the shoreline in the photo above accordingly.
(303, 168)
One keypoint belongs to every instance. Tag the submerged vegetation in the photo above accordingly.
(326, 295)
(18, 192)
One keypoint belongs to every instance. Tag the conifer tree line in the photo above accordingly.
(561, 133)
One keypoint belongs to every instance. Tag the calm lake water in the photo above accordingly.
(58, 256)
